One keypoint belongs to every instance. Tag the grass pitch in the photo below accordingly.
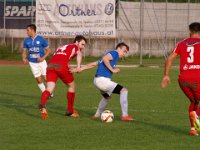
(161, 115)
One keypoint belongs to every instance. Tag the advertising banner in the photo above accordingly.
(17, 15)
(75, 17)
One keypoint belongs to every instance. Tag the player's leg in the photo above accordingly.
(36, 71)
(123, 92)
(100, 84)
(109, 87)
(196, 90)
(102, 105)
(40, 83)
(194, 115)
(187, 90)
(43, 68)
(68, 79)
(70, 98)
(44, 97)
(51, 82)
(47, 92)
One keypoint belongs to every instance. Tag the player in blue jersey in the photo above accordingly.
(102, 80)
(35, 51)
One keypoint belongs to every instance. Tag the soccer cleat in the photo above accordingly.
(96, 116)
(50, 96)
(127, 118)
(43, 111)
(194, 133)
(195, 120)
(74, 114)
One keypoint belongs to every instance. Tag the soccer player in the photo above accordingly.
(35, 51)
(102, 80)
(189, 81)
(58, 68)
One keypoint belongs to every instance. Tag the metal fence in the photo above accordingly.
(150, 27)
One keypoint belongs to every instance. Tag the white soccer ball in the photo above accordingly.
(107, 116)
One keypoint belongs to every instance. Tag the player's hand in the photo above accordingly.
(75, 70)
(72, 70)
(78, 70)
(40, 59)
(25, 61)
(116, 70)
(166, 80)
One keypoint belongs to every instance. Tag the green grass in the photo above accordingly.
(6, 53)
(161, 115)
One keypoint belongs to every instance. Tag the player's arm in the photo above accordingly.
(166, 79)
(46, 49)
(79, 59)
(24, 56)
(47, 52)
(85, 67)
(89, 66)
(106, 59)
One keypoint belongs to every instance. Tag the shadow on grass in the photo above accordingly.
(165, 128)
(13, 104)
(17, 94)
(21, 108)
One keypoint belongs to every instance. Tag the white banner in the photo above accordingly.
(75, 17)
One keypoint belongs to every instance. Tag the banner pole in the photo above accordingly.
(4, 23)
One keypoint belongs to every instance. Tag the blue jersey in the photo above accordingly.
(102, 70)
(35, 47)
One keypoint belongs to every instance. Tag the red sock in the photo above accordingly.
(70, 98)
(44, 97)
(193, 107)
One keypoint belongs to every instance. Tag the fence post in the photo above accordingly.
(141, 29)
(4, 23)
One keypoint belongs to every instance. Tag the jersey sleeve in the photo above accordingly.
(114, 54)
(177, 49)
(25, 46)
(75, 48)
(44, 42)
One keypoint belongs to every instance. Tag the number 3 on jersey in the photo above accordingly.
(190, 59)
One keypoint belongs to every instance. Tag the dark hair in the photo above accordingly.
(79, 38)
(194, 27)
(32, 26)
(122, 44)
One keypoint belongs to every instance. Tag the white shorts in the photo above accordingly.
(105, 85)
(39, 68)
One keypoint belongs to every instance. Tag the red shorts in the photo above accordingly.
(191, 88)
(55, 71)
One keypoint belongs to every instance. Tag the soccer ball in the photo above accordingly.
(107, 116)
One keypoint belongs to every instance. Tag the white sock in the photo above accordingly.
(42, 87)
(124, 103)
(102, 106)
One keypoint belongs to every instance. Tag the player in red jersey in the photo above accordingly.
(58, 68)
(189, 77)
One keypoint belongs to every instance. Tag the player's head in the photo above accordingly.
(80, 41)
(194, 29)
(122, 49)
(31, 30)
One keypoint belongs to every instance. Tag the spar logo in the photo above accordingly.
(19, 11)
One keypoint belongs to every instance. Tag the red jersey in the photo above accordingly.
(189, 51)
(64, 54)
